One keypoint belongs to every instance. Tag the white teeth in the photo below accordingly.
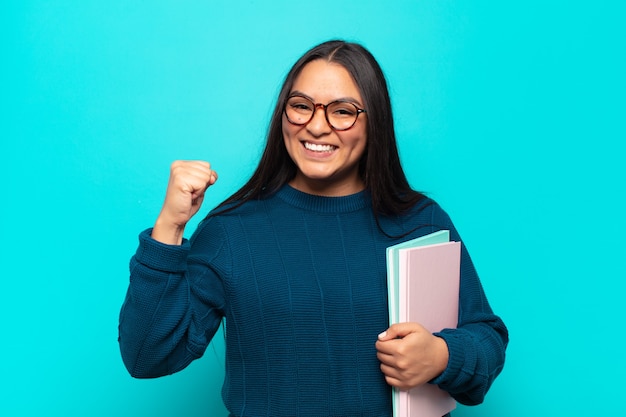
(319, 148)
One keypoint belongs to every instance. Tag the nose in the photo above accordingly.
(318, 125)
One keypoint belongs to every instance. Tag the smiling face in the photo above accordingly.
(327, 160)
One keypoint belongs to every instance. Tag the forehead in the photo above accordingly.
(326, 81)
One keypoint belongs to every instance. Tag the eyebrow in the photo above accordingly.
(344, 99)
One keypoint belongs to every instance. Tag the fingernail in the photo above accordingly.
(382, 335)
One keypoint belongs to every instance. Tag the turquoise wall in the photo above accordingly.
(510, 114)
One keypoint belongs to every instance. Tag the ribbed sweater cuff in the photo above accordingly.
(456, 359)
(159, 256)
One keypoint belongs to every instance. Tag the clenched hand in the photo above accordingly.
(188, 182)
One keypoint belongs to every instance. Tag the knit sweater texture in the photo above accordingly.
(300, 281)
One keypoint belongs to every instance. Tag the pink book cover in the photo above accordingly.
(429, 295)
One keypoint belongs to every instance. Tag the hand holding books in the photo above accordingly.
(410, 355)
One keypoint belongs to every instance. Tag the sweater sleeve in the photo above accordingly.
(172, 309)
(477, 346)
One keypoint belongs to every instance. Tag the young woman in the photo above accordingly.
(294, 262)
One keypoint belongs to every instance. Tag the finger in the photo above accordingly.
(204, 165)
(194, 184)
(393, 377)
(387, 347)
(197, 168)
(198, 196)
(386, 358)
(204, 170)
(205, 173)
(199, 182)
(390, 371)
(399, 330)
(398, 383)
(213, 178)
(193, 177)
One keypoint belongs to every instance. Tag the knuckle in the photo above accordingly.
(402, 364)
(402, 350)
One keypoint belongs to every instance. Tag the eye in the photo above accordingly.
(301, 105)
(342, 109)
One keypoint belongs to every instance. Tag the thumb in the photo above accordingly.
(398, 331)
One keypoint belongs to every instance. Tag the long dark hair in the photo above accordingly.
(379, 167)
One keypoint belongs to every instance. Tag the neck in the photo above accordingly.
(327, 188)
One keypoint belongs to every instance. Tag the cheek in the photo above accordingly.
(288, 130)
(357, 140)
(289, 139)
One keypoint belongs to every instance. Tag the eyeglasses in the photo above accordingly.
(340, 114)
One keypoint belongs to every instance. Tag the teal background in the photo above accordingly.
(510, 114)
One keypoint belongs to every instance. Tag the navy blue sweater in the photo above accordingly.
(301, 283)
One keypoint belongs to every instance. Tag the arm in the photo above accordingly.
(463, 361)
(169, 314)
(156, 311)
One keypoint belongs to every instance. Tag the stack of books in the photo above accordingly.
(423, 277)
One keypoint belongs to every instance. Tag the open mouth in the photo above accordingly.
(314, 147)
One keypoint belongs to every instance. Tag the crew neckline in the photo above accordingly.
(342, 204)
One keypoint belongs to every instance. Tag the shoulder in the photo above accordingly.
(224, 220)
(437, 217)
(425, 216)
(430, 211)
